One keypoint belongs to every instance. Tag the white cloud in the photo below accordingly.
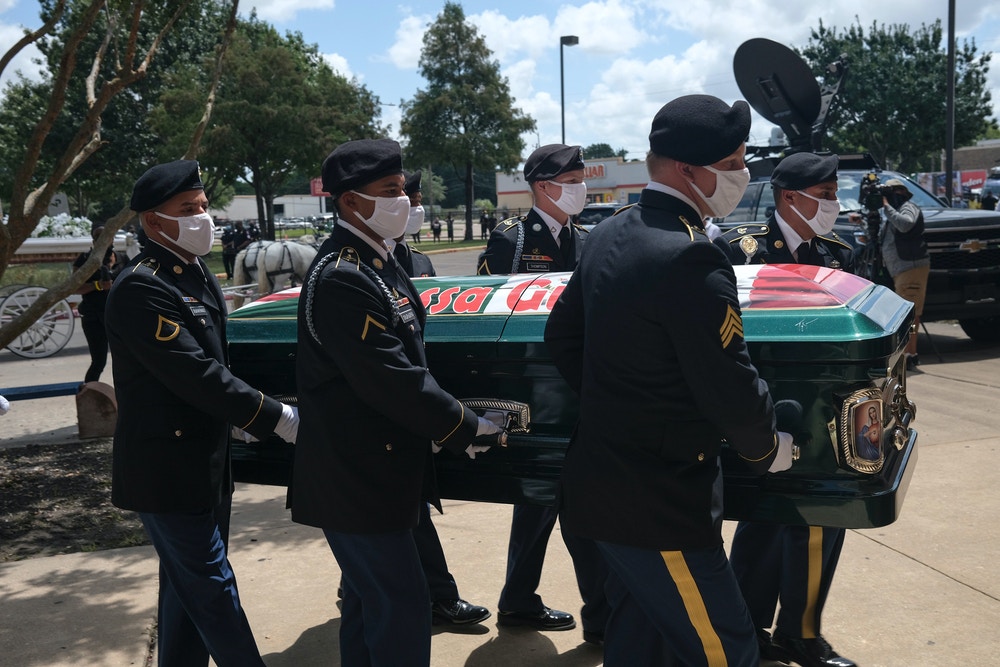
(339, 65)
(514, 39)
(283, 11)
(9, 35)
(603, 27)
(405, 51)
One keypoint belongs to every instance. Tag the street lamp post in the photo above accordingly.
(565, 40)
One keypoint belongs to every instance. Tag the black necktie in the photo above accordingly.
(565, 246)
(804, 253)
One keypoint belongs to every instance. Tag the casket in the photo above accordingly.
(829, 345)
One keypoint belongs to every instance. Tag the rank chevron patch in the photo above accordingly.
(369, 320)
(732, 326)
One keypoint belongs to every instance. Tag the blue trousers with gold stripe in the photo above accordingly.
(675, 608)
(793, 564)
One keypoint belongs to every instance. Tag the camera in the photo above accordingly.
(872, 192)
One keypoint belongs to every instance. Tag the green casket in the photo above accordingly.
(829, 345)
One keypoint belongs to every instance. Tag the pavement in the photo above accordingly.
(920, 592)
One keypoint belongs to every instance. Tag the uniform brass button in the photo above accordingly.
(178, 270)
(178, 433)
(411, 328)
(202, 320)
(388, 446)
(701, 456)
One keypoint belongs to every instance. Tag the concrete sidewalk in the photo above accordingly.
(921, 592)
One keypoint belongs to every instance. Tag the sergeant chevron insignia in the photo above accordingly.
(732, 326)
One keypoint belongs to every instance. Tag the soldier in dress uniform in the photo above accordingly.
(800, 230)
(415, 263)
(166, 325)
(649, 332)
(795, 564)
(545, 239)
(447, 606)
(370, 411)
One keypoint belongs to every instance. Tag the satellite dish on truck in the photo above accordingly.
(779, 85)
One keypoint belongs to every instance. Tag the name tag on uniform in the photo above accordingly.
(538, 266)
(406, 313)
(196, 307)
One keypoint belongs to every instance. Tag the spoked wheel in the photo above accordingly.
(48, 334)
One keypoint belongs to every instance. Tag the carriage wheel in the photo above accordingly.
(7, 290)
(48, 334)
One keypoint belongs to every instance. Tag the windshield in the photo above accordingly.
(849, 185)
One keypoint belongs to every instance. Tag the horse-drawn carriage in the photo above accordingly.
(264, 267)
(48, 334)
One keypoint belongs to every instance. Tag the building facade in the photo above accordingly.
(608, 180)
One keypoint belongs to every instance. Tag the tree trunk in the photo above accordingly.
(469, 198)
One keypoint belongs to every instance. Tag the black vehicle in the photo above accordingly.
(595, 212)
(964, 244)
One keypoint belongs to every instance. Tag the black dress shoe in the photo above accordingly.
(595, 638)
(809, 652)
(546, 619)
(768, 651)
(458, 612)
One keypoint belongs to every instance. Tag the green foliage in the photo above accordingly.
(102, 185)
(466, 116)
(484, 205)
(893, 101)
(595, 151)
(280, 110)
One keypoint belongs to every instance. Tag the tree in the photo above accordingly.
(466, 117)
(594, 151)
(893, 101)
(100, 186)
(131, 35)
(280, 110)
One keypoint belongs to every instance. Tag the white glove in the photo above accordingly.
(288, 424)
(4, 405)
(783, 461)
(472, 450)
(240, 434)
(486, 427)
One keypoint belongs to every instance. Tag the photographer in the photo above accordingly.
(905, 254)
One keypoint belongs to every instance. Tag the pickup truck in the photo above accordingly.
(964, 244)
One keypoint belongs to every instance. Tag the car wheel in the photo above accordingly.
(982, 329)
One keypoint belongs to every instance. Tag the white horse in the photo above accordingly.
(273, 265)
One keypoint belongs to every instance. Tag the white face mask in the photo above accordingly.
(389, 218)
(415, 220)
(729, 189)
(826, 214)
(572, 199)
(195, 233)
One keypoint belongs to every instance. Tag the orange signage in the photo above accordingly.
(316, 188)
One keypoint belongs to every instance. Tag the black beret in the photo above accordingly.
(357, 163)
(799, 171)
(411, 186)
(699, 129)
(549, 161)
(162, 182)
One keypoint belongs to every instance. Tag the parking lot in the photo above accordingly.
(921, 591)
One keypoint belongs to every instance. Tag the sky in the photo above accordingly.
(633, 56)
